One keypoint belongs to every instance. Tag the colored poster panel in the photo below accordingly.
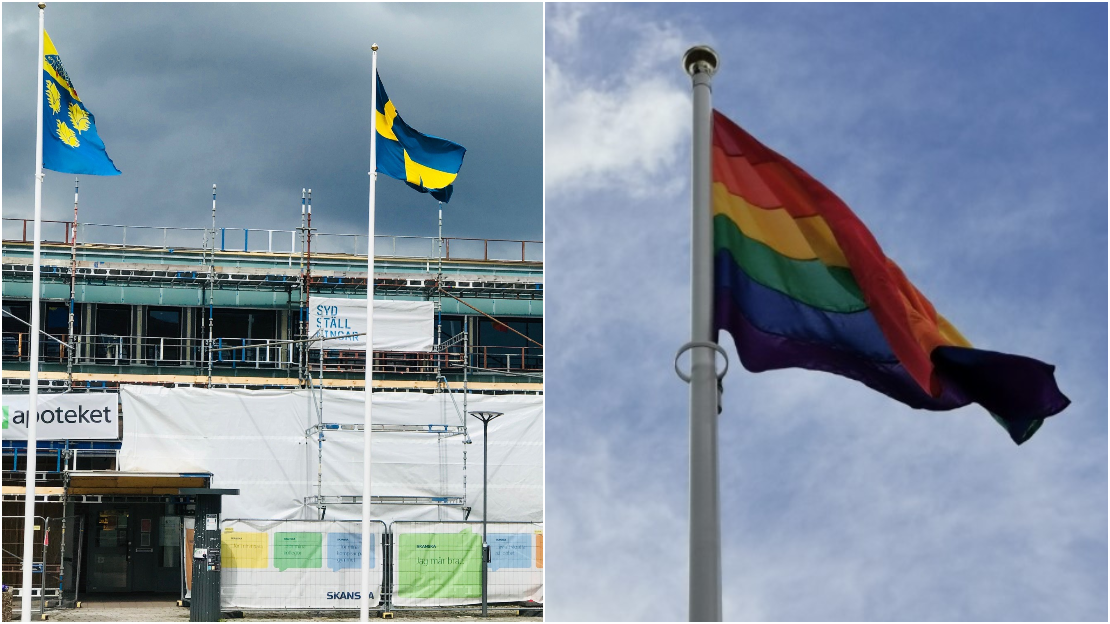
(313, 565)
(510, 550)
(298, 550)
(440, 565)
(345, 551)
(539, 550)
(244, 549)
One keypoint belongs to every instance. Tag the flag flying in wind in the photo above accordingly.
(70, 143)
(800, 282)
(426, 163)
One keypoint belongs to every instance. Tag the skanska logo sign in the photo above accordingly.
(341, 595)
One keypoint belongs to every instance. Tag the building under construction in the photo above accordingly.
(195, 312)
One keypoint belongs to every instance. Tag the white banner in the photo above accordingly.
(297, 564)
(256, 440)
(440, 563)
(398, 325)
(69, 416)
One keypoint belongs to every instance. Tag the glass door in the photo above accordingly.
(108, 551)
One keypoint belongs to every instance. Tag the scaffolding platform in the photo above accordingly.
(450, 501)
(449, 430)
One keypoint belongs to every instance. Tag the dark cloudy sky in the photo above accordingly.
(264, 99)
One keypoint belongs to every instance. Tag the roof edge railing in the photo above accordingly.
(275, 241)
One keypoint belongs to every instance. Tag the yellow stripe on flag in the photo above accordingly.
(426, 176)
(807, 238)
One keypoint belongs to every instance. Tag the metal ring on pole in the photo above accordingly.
(693, 345)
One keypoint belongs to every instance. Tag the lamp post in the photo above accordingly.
(485, 417)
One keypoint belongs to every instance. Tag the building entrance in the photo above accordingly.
(133, 548)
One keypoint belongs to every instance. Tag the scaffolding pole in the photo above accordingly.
(72, 350)
(301, 327)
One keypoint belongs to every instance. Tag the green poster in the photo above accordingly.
(439, 565)
(298, 550)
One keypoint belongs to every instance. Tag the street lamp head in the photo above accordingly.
(486, 415)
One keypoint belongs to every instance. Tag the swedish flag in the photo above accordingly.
(426, 163)
(70, 143)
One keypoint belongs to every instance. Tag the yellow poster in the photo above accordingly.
(245, 549)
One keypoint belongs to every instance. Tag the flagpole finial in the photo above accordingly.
(374, 47)
(700, 59)
(42, 5)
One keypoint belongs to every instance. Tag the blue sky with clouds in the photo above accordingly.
(972, 142)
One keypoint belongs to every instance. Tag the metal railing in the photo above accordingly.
(506, 359)
(276, 241)
(263, 353)
(46, 559)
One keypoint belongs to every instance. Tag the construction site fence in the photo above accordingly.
(46, 557)
(298, 564)
(439, 564)
(315, 564)
(289, 242)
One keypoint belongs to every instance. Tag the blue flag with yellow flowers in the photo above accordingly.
(70, 143)
(426, 163)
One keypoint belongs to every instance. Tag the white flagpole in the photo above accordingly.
(705, 512)
(367, 544)
(33, 412)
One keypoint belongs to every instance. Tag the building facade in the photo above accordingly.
(226, 309)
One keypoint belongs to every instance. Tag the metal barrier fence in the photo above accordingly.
(314, 564)
(298, 564)
(46, 558)
(439, 564)
(276, 241)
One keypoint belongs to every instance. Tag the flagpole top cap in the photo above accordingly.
(700, 59)
(42, 5)
(374, 47)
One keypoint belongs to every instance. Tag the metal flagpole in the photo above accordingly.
(439, 279)
(212, 289)
(364, 595)
(700, 62)
(33, 412)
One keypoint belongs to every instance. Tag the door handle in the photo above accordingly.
(128, 551)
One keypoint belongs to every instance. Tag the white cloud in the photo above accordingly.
(624, 129)
(563, 20)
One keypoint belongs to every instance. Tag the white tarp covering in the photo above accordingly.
(398, 325)
(297, 564)
(68, 416)
(440, 563)
(255, 440)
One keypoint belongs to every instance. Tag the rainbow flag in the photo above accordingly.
(800, 282)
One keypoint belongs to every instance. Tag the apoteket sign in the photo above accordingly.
(69, 416)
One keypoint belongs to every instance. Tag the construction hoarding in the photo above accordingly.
(297, 564)
(440, 563)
